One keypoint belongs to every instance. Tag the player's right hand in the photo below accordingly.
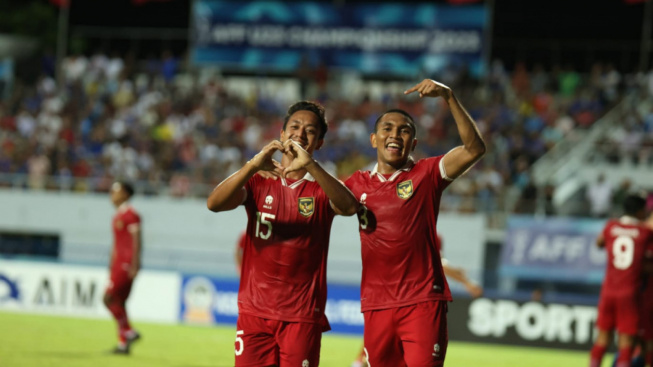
(263, 160)
(430, 88)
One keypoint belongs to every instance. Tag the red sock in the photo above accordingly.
(596, 355)
(625, 355)
(120, 315)
(649, 359)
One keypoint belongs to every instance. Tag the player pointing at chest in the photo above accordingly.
(404, 292)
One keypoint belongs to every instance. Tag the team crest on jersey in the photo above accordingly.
(405, 189)
(306, 206)
(119, 225)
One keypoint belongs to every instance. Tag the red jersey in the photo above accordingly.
(284, 261)
(124, 223)
(626, 242)
(399, 243)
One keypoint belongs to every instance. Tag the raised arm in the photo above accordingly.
(231, 192)
(342, 200)
(461, 158)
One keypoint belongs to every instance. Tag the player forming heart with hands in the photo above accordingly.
(269, 168)
(430, 88)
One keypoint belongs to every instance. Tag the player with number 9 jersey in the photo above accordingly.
(626, 242)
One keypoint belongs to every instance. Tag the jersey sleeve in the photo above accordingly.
(352, 182)
(439, 174)
(250, 188)
(132, 221)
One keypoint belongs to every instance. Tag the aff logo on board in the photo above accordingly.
(306, 207)
(405, 189)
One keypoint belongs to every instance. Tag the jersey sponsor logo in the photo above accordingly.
(306, 206)
(268, 202)
(405, 189)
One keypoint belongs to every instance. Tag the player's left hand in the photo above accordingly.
(301, 158)
(430, 88)
(474, 289)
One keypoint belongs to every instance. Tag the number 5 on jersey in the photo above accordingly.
(241, 346)
(262, 218)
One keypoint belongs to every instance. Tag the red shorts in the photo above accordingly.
(265, 342)
(620, 313)
(414, 335)
(647, 316)
(120, 284)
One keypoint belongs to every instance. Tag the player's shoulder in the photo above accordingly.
(130, 211)
(260, 181)
(357, 176)
(430, 161)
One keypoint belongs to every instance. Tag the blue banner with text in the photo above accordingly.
(559, 249)
(397, 38)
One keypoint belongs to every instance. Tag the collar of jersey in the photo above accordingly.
(123, 207)
(407, 167)
(627, 219)
(307, 177)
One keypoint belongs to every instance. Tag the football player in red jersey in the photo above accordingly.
(451, 272)
(404, 292)
(282, 295)
(125, 263)
(626, 240)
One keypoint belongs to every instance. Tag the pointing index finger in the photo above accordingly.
(411, 90)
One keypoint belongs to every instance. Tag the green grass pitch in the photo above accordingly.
(48, 341)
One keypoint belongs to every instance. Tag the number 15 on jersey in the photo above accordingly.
(265, 220)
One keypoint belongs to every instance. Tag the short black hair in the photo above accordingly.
(314, 107)
(633, 204)
(406, 115)
(129, 189)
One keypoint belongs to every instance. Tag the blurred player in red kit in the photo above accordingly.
(282, 295)
(125, 262)
(626, 241)
(404, 292)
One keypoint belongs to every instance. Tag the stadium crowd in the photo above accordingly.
(112, 120)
